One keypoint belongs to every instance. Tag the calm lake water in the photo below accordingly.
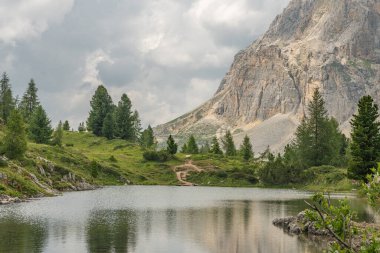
(157, 219)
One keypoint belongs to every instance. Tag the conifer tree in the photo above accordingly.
(7, 103)
(66, 126)
(40, 126)
(124, 119)
(58, 135)
(365, 135)
(192, 146)
(81, 127)
(229, 145)
(108, 129)
(29, 101)
(172, 146)
(246, 149)
(318, 138)
(215, 147)
(15, 144)
(136, 126)
(147, 138)
(101, 105)
(184, 149)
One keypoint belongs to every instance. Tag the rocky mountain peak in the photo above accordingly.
(333, 45)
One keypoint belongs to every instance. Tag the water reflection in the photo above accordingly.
(17, 235)
(159, 220)
(111, 231)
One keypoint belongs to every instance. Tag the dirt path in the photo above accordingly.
(182, 172)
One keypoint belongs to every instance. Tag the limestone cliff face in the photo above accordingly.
(333, 45)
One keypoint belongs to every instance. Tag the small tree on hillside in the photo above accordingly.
(108, 129)
(205, 149)
(58, 135)
(29, 101)
(81, 127)
(124, 118)
(101, 105)
(365, 134)
(172, 147)
(246, 149)
(7, 103)
(39, 126)
(192, 146)
(136, 126)
(15, 144)
(229, 145)
(66, 126)
(184, 149)
(215, 147)
(147, 139)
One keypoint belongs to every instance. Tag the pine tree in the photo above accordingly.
(215, 147)
(66, 126)
(39, 126)
(318, 138)
(7, 103)
(192, 146)
(365, 135)
(124, 119)
(136, 126)
(229, 145)
(184, 149)
(81, 127)
(108, 129)
(29, 101)
(15, 144)
(147, 139)
(246, 149)
(101, 105)
(172, 147)
(58, 135)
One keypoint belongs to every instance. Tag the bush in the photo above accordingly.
(95, 168)
(157, 156)
(112, 159)
(3, 163)
(69, 145)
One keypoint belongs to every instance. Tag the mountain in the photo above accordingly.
(333, 45)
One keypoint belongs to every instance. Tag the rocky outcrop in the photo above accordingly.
(333, 45)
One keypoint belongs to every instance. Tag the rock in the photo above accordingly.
(331, 45)
(5, 199)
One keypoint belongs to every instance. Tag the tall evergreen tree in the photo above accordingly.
(15, 143)
(124, 119)
(29, 101)
(58, 135)
(215, 147)
(192, 146)
(7, 103)
(318, 138)
(101, 105)
(40, 126)
(246, 149)
(229, 145)
(205, 149)
(184, 148)
(66, 126)
(172, 146)
(147, 139)
(365, 135)
(108, 129)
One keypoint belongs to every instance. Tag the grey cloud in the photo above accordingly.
(167, 55)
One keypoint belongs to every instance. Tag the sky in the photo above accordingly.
(169, 56)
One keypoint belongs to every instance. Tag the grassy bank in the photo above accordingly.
(86, 160)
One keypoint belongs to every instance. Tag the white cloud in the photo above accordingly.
(29, 18)
(91, 71)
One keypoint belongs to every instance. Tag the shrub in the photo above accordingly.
(69, 145)
(157, 156)
(112, 159)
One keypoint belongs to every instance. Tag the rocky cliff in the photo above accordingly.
(333, 45)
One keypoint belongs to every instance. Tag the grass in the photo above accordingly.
(99, 161)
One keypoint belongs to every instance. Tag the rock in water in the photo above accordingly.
(333, 45)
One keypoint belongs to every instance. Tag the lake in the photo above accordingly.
(158, 219)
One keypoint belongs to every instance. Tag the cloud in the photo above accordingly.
(25, 19)
(167, 55)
